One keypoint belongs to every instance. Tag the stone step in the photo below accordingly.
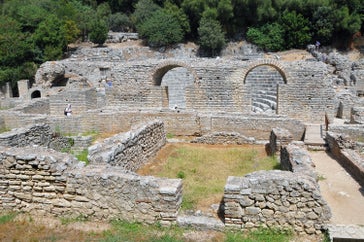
(262, 106)
(314, 135)
(345, 232)
(270, 103)
(200, 222)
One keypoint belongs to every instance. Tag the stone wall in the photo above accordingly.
(357, 115)
(218, 85)
(39, 134)
(355, 131)
(295, 157)
(345, 152)
(224, 138)
(43, 181)
(278, 138)
(37, 106)
(275, 199)
(129, 150)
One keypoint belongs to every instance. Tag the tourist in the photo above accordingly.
(68, 110)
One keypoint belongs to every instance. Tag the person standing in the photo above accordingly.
(68, 110)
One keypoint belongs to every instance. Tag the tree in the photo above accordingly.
(178, 13)
(296, 28)
(144, 9)
(269, 37)
(119, 22)
(15, 52)
(98, 33)
(50, 38)
(323, 25)
(161, 29)
(211, 37)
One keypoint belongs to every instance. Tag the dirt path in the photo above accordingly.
(343, 194)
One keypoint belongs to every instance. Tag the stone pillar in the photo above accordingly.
(23, 87)
(278, 138)
(165, 98)
(8, 92)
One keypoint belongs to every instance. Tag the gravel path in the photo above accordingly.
(343, 194)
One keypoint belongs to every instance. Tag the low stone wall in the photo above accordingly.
(357, 115)
(355, 131)
(130, 150)
(36, 106)
(43, 181)
(39, 134)
(224, 138)
(275, 199)
(295, 158)
(344, 151)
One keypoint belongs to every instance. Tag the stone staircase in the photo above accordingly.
(315, 137)
(264, 81)
(264, 102)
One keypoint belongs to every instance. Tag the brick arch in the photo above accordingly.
(162, 68)
(265, 62)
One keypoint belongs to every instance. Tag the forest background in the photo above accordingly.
(35, 31)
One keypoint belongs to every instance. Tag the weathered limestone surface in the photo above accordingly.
(278, 138)
(357, 115)
(224, 138)
(295, 157)
(49, 73)
(39, 134)
(275, 199)
(130, 150)
(43, 181)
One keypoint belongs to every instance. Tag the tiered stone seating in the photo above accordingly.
(264, 96)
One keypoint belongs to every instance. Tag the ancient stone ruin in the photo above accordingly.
(140, 95)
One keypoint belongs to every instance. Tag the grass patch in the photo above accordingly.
(204, 169)
(5, 218)
(69, 220)
(82, 156)
(4, 129)
(169, 136)
(125, 231)
(260, 235)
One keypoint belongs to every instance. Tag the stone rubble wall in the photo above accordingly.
(36, 106)
(130, 150)
(224, 138)
(295, 157)
(39, 134)
(355, 131)
(177, 123)
(275, 199)
(278, 138)
(357, 115)
(43, 181)
(345, 152)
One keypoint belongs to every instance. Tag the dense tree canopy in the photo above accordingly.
(34, 31)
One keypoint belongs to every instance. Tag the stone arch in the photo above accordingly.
(268, 62)
(36, 94)
(174, 78)
(245, 97)
(161, 69)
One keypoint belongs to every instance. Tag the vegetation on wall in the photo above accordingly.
(35, 31)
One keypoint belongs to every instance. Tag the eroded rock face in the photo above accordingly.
(49, 73)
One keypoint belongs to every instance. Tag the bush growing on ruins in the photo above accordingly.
(269, 37)
(98, 33)
(211, 36)
(161, 29)
(119, 22)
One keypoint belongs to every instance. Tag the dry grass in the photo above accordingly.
(205, 168)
